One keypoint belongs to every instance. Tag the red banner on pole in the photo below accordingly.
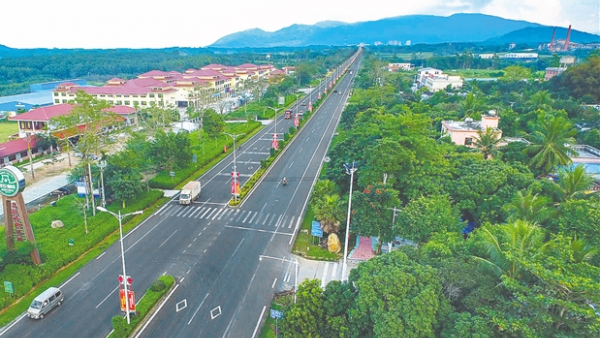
(235, 187)
(275, 142)
(296, 120)
(131, 300)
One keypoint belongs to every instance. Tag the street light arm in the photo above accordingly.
(108, 211)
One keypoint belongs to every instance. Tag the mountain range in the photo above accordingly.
(429, 29)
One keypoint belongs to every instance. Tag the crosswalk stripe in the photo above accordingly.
(242, 214)
(252, 219)
(323, 280)
(181, 211)
(205, 212)
(164, 211)
(334, 272)
(258, 219)
(291, 222)
(278, 221)
(217, 214)
(225, 213)
(195, 211)
(190, 209)
(265, 220)
(248, 215)
(235, 214)
(210, 213)
(272, 217)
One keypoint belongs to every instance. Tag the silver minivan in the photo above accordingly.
(45, 302)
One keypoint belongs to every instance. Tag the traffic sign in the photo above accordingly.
(8, 287)
(71, 242)
(235, 173)
(316, 230)
(128, 279)
(276, 314)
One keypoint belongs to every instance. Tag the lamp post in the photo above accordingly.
(30, 154)
(297, 103)
(234, 174)
(276, 110)
(349, 171)
(120, 218)
(295, 261)
(102, 165)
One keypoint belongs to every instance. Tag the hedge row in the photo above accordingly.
(152, 296)
(53, 244)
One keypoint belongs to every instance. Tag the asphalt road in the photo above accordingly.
(223, 288)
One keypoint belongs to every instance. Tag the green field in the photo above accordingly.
(7, 129)
(470, 73)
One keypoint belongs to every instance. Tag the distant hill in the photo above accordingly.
(537, 35)
(417, 28)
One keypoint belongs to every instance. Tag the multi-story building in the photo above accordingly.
(172, 88)
(552, 72)
(465, 132)
(435, 80)
(396, 66)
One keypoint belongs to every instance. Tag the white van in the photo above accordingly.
(45, 302)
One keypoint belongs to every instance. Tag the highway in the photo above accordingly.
(223, 288)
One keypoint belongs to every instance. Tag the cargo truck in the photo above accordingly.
(190, 192)
(288, 114)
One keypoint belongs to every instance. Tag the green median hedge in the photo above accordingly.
(150, 299)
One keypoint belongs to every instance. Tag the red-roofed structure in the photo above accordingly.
(15, 151)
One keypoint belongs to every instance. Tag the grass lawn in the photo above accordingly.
(481, 73)
(305, 244)
(7, 129)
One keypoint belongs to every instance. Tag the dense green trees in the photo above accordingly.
(529, 268)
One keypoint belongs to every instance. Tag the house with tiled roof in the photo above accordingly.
(38, 121)
(16, 151)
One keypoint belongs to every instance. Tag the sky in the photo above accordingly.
(199, 23)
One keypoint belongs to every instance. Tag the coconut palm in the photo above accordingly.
(573, 182)
(582, 251)
(487, 141)
(549, 144)
(504, 245)
(540, 100)
(529, 207)
(330, 211)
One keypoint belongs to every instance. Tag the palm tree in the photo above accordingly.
(573, 182)
(487, 141)
(528, 207)
(550, 144)
(509, 243)
(470, 105)
(540, 100)
(329, 210)
(582, 251)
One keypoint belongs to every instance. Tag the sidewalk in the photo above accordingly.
(309, 269)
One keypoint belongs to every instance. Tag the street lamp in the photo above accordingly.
(120, 218)
(297, 103)
(349, 171)
(276, 110)
(234, 136)
(102, 165)
(295, 261)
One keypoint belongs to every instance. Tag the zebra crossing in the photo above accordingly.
(229, 215)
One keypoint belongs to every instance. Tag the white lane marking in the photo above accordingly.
(198, 309)
(291, 164)
(13, 324)
(167, 238)
(102, 254)
(155, 312)
(274, 281)
(181, 280)
(259, 320)
(286, 277)
(70, 279)
(105, 298)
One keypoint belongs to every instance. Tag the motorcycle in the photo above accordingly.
(284, 182)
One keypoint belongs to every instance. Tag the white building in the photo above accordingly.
(435, 80)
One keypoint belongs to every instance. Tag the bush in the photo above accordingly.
(120, 327)
(158, 286)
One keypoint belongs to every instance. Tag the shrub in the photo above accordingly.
(120, 327)
(158, 286)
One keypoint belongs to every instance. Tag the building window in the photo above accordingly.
(110, 95)
(118, 95)
(126, 103)
(63, 94)
(134, 95)
(64, 101)
(102, 95)
(143, 103)
(55, 94)
(110, 101)
(56, 101)
(468, 141)
(160, 95)
(125, 95)
(136, 103)
(119, 102)
(151, 95)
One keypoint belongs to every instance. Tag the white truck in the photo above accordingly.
(190, 192)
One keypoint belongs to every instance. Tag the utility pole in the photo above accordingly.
(349, 171)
